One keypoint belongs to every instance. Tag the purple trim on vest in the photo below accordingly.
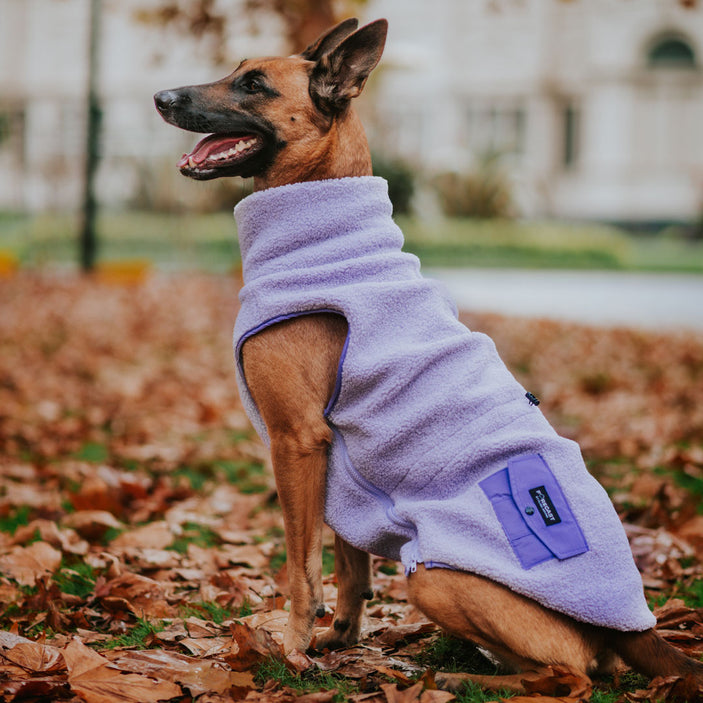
(292, 316)
(429, 565)
(338, 381)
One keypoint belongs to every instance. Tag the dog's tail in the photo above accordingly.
(651, 655)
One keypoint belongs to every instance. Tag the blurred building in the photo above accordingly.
(593, 108)
(44, 49)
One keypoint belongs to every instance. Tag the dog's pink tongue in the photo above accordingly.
(205, 148)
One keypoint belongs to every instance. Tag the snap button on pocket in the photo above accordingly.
(520, 493)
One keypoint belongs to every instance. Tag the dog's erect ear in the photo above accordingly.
(329, 39)
(340, 74)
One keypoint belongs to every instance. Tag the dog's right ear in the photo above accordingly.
(329, 39)
(340, 74)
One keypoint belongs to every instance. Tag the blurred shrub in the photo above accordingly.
(160, 187)
(401, 182)
(484, 192)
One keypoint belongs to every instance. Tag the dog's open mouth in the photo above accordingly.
(217, 153)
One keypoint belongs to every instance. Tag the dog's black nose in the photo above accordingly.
(166, 100)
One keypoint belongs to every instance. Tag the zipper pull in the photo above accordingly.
(532, 399)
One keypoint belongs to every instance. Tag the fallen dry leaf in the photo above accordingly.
(391, 635)
(27, 564)
(155, 535)
(96, 680)
(36, 688)
(414, 693)
(67, 540)
(142, 596)
(253, 647)
(559, 681)
(92, 524)
(32, 656)
(197, 676)
(670, 688)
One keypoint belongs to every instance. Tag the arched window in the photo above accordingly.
(671, 52)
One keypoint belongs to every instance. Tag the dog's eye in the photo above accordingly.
(252, 84)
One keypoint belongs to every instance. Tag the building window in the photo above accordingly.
(671, 52)
(495, 128)
(12, 128)
(571, 136)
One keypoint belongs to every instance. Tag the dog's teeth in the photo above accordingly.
(236, 149)
(191, 162)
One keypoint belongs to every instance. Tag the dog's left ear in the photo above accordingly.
(329, 39)
(340, 74)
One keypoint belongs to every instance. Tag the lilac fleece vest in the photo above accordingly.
(438, 457)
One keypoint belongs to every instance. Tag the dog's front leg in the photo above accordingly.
(353, 570)
(299, 468)
(291, 369)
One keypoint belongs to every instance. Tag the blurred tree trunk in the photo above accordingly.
(88, 233)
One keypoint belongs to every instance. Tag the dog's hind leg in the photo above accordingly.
(521, 633)
(650, 654)
(353, 570)
(291, 369)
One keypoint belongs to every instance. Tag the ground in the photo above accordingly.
(141, 547)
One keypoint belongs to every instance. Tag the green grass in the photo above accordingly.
(475, 694)
(208, 242)
(689, 482)
(214, 611)
(93, 452)
(606, 690)
(389, 568)
(249, 477)
(693, 594)
(137, 637)
(452, 655)
(278, 559)
(76, 580)
(307, 682)
(17, 518)
(175, 240)
(553, 244)
(196, 534)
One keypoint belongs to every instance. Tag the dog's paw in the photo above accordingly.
(339, 636)
(450, 682)
(296, 638)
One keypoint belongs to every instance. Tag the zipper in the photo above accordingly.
(369, 487)
(385, 500)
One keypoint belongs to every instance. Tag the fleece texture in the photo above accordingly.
(438, 457)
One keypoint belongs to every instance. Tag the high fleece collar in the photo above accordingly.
(346, 215)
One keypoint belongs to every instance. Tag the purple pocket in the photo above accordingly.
(532, 509)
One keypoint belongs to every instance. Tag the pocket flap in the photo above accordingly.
(543, 506)
(529, 550)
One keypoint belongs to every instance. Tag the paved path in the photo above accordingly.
(646, 300)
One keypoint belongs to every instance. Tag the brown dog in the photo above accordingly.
(289, 120)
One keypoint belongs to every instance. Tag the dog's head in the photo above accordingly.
(274, 108)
